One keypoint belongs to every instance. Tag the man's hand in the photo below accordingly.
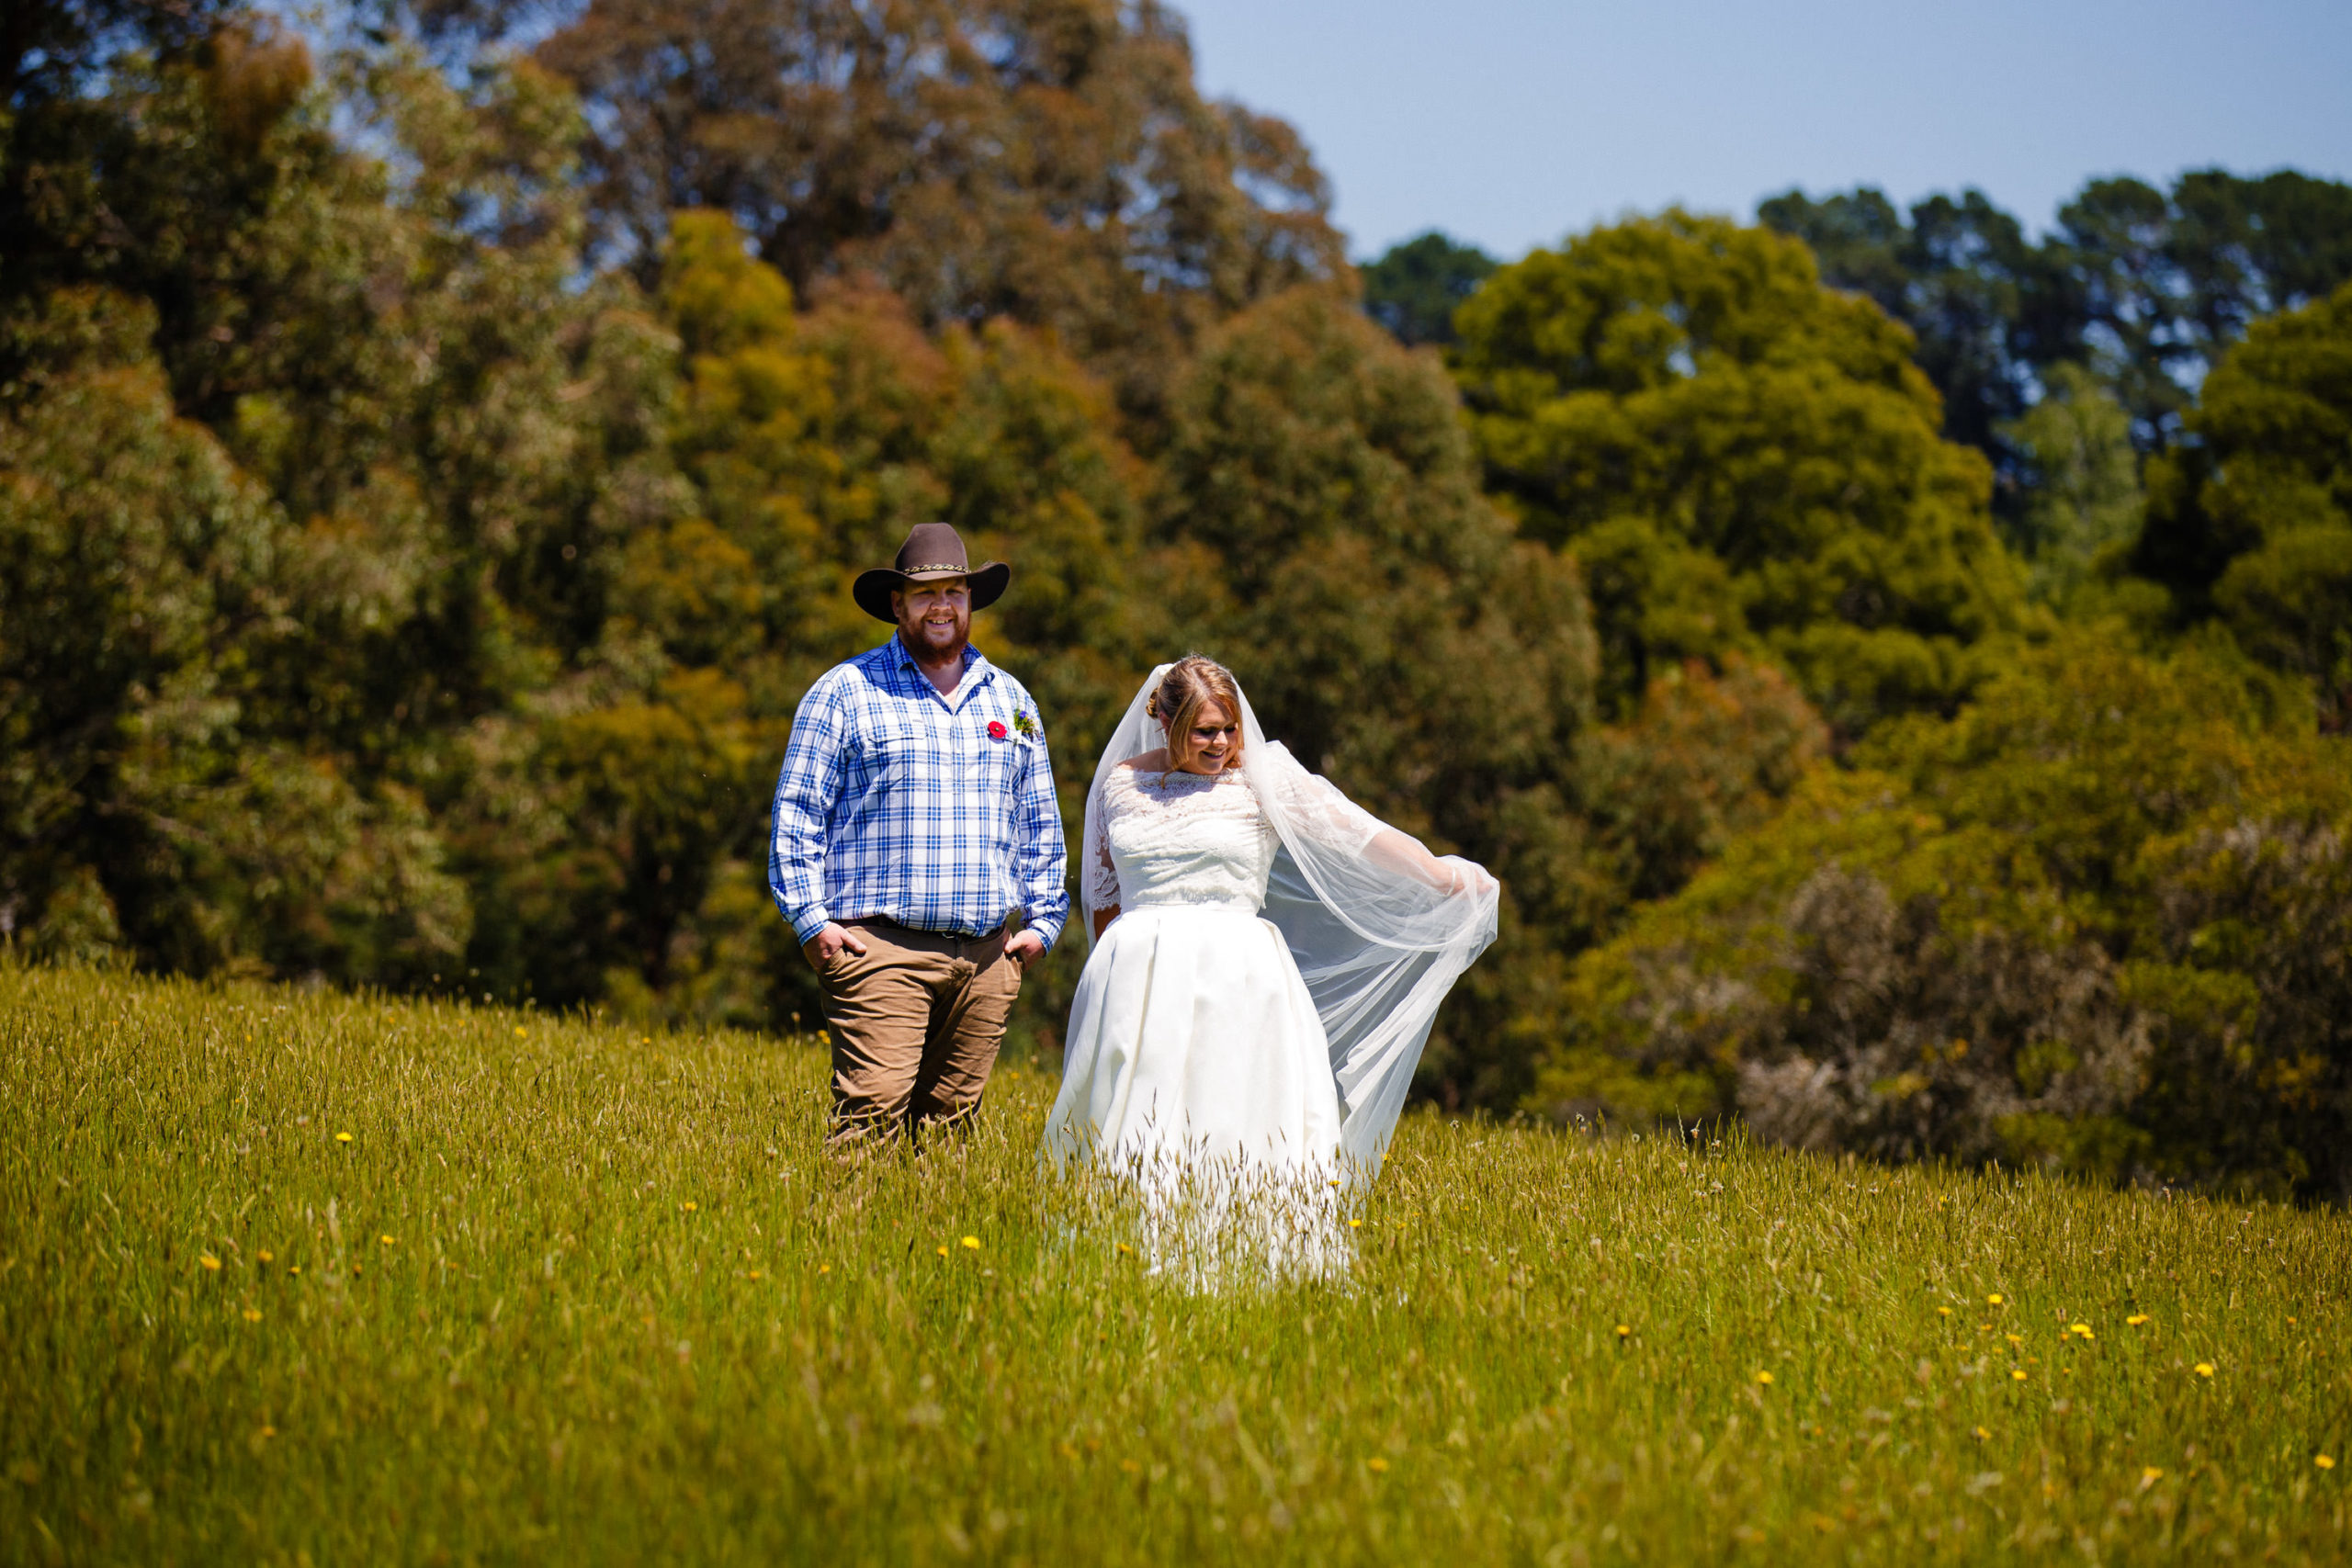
(820, 949)
(1025, 949)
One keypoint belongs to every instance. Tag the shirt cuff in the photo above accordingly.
(809, 923)
(1048, 931)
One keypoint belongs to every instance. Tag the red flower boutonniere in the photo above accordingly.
(997, 731)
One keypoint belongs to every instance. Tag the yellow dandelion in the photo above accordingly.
(2150, 1476)
(2136, 1319)
(943, 1249)
(691, 1205)
(1124, 1248)
(1355, 1224)
(972, 1242)
(2014, 1338)
(1993, 1299)
(1624, 1331)
(824, 1268)
(1764, 1379)
(293, 1267)
(1376, 1464)
(342, 1137)
(267, 1431)
(385, 1240)
(1333, 1182)
(2017, 1374)
(252, 1315)
(2325, 1461)
(2204, 1369)
(1982, 1435)
(755, 1273)
(211, 1263)
(1944, 1312)
(262, 1256)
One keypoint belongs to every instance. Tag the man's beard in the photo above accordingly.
(926, 639)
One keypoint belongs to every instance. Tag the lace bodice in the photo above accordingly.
(1178, 839)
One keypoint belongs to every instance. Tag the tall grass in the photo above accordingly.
(294, 1277)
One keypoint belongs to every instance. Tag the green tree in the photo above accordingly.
(2082, 501)
(1417, 284)
(1742, 460)
(1052, 162)
(2095, 919)
(2253, 524)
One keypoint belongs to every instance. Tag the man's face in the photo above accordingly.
(934, 617)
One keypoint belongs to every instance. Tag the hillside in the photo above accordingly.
(301, 1276)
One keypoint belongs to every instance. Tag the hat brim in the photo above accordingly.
(872, 590)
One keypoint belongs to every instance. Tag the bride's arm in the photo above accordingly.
(1102, 918)
(1402, 852)
(1320, 810)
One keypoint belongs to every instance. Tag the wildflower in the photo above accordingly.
(212, 1263)
(2136, 1319)
(385, 1240)
(2204, 1369)
(268, 1431)
(2325, 1461)
(1124, 1248)
(1355, 1224)
(1944, 1312)
(1376, 1464)
(972, 1242)
(690, 1205)
(2014, 1338)
(293, 1267)
(342, 1137)
(520, 1032)
(1624, 1331)
(824, 1268)
(755, 1273)
(1982, 1435)
(1764, 1380)
(263, 1256)
(2017, 1374)
(1993, 1300)
(252, 1315)
(943, 1249)
(2082, 1328)
(2150, 1476)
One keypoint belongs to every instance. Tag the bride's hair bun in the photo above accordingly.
(1191, 682)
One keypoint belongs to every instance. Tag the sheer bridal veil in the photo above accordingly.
(1378, 944)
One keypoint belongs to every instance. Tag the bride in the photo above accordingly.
(1267, 958)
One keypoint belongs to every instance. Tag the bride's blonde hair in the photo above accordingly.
(1189, 684)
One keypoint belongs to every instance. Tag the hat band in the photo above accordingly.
(939, 566)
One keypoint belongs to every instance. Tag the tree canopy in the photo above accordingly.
(1741, 459)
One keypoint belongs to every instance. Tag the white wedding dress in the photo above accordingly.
(1245, 1030)
(1192, 1035)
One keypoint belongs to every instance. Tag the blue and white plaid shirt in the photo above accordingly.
(935, 812)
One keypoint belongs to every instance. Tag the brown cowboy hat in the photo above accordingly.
(932, 550)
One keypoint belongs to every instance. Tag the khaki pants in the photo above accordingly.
(916, 1022)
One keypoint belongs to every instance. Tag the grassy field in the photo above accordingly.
(301, 1278)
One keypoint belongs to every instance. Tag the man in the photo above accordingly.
(915, 815)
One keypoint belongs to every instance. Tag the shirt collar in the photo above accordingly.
(977, 668)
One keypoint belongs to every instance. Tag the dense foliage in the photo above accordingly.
(430, 473)
(1742, 460)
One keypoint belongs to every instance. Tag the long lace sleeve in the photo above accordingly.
(1101, 874)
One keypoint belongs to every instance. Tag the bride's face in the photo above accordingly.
(1207, 744)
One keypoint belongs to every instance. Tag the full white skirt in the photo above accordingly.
(1195, 1066)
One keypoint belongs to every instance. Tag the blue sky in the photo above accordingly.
(1512, 122)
